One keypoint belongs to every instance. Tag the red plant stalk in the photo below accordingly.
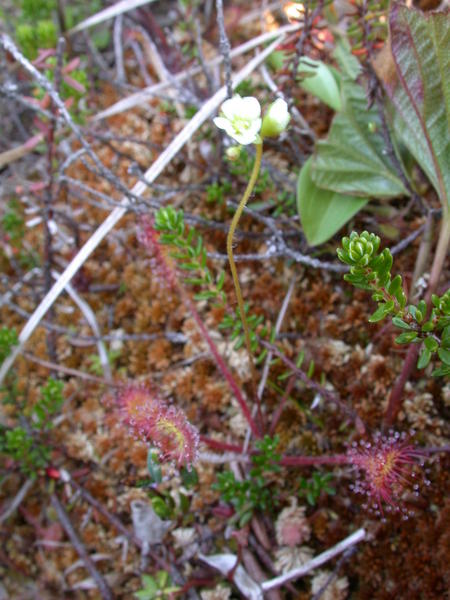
(396, 396)
(219, 445)
(221, 364)
(279, 410)
(326, 394)
(148, 236)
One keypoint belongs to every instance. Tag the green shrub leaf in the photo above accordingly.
(406, 338)
(444, 355)
(424, 359)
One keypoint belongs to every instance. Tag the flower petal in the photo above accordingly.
(221, 123)
(279, 111)
(249, 108)
(230, 108)
(276, 119)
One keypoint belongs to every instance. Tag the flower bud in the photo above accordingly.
(276, 119)
(359, 249)
(233, 153)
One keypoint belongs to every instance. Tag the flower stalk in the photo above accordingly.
(241, 119)
(234, 274)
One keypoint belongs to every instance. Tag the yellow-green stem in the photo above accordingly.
(234, 274)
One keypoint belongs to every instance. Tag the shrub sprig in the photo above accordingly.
(371, 270)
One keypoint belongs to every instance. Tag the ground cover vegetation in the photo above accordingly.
(225, 311)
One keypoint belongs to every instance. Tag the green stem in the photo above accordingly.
(234, 274)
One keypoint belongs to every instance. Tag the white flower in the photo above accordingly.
(241, 119)
(276, 119)
(185, 538)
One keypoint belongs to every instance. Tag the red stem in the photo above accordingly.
(277, 414)
(396, 396)
(311, 461)
(149, 238)
(221, 364)
(218, 445)
(326, 394)
(286, 461)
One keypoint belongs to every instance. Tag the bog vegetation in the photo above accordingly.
(225, 337)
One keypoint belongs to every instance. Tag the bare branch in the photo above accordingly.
(224, 47)
(17, 500)
(143, 95)
(103, 587)
(319, 560)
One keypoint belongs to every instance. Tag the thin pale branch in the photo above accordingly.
(224, 46)
(103, 587)
(109, 13)
(142, 96)
(92, 321)
(17, 500)
(319, 560)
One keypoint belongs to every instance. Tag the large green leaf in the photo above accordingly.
(419, 88)
(318, 79)
(322, 212)
(353, 160)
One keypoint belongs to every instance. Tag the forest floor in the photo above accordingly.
(98, 472)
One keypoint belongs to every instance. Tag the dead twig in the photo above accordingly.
(224, 47)
(319, 560)
(70, 371)
(146, 93)
(18, 152)
(201, 57)
(278, 247)
(405, 242)
(118, 49)
(10, 47)
(269, 356)
(116, 522)
(92, 321)
(17, 500)
(346, 556)
(63, 517)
